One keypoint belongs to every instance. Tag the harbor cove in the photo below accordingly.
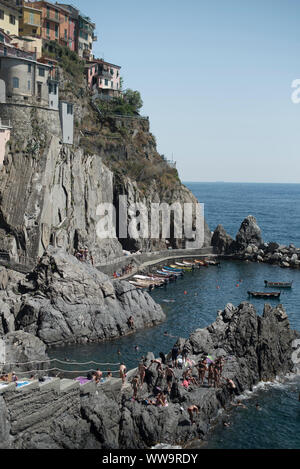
(148, 312)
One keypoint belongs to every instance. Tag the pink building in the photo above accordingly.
(91, 73)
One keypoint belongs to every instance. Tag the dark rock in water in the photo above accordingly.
(223, 243)
(249, 233)
(64, 300)
(255, 349)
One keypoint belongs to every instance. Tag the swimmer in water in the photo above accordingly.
(258, 407)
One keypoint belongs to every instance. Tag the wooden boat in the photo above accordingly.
(201, 262)
(278, 284)
(185, 268)
(258, 294)
(211, 262)
(181, 264)
(172, 272)
(190, 264)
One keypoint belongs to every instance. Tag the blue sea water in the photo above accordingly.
(276, 207)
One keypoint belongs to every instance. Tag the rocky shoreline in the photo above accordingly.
(65, 301)
(249, 246)
(256, 348)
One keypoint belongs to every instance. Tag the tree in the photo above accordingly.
(133, 98)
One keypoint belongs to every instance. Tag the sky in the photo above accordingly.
(216, 81)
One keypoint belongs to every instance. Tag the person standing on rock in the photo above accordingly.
(175, 353)
(210, 374)
(193, 409)
(202, 368)
(169, 375)
(135, 386)
(123, 373)
(142, 372)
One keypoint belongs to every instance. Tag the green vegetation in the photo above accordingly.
(128, 104)
(67, 59)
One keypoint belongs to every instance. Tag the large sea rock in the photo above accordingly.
(64, 301)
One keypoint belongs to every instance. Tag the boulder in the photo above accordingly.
(249, 233)
(67, 301)
(222, 241)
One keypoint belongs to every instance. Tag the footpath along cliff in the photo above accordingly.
(64, 414)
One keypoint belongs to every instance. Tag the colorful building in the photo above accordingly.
(86, 36)
(109, 80)
(51, 19)
(30, 22)
(9, 17)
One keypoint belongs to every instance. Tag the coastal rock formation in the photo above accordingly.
(255, 348)
(51, 192)
(64, 300)
(23, 348)
(222, 241)
(250, 246)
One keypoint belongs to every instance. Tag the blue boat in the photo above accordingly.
(172, 269)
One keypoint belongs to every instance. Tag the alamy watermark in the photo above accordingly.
(155, 221)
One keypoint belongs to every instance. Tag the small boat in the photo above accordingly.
(258, 294)
(184, 268)
(211, 262)
(172, 272)
(201, 262)
(181, 264)
(172, 269)
(278, 284)
(190, 264)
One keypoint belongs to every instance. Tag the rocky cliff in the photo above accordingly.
(64, 301)
(62, 415)
(49, 192)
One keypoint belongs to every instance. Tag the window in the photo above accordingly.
(12, 19)
(48, 28)
(41, 72)
(66, 34)
(56, 14)
(48, 12)
(29, 68)
(56, 30)
(111, 71)
(106, 82)
(29, 85)
(1, 15)
(15, 82)
(1, 38)
(66, 18)
(31, 18)
(70, 109)
(112, 84)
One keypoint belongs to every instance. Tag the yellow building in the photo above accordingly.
(9, 18)
(31, 22)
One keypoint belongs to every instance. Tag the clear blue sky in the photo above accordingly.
(215, 77)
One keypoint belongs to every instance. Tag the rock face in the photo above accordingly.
(249, 233)
(221, 240)
(50, 192)
(255, 348)
(64, 300)
(249, 246)
(24, 348)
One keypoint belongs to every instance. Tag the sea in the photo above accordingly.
(193, 302)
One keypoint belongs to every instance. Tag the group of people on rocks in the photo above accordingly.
(126, 270)
(209, 373)
(83, 255)
(8, 378)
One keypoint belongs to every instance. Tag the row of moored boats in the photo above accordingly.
(169, 273)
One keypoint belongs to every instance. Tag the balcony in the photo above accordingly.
(105, 74)
(54, 19)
